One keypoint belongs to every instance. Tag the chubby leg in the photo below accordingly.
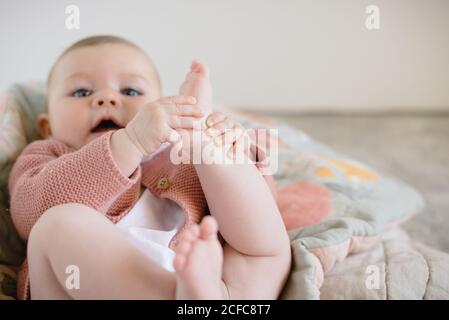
(257, 253)
(256, 277)
(110, 267)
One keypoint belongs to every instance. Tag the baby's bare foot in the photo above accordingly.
(198, 263)
(197, 84)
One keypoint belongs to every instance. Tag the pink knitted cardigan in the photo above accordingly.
(49, 173)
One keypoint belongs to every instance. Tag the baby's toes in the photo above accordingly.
(208, 228)
(179, 262)
(191, 233)
(187, 239)
(200, 68)
(184, 248)
(182, 252)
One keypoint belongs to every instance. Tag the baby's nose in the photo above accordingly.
(102, 101)
(106, 99)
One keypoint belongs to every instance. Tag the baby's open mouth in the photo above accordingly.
(105, 125)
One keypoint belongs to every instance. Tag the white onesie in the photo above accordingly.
(151, 224)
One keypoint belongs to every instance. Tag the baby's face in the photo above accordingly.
(96, 89)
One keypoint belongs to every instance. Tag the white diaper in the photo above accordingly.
(150, 225)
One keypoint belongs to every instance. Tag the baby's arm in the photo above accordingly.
(125, 154)
(49, 173)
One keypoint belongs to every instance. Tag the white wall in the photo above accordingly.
(283, 55)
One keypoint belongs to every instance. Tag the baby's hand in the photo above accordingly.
(156, 122)
(227, 134)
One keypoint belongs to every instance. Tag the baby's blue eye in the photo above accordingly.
(131, 92)
(81, 93)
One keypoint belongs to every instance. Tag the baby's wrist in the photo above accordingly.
(125, 154)
(130, 139)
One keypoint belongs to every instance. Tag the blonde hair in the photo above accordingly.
(99, 40)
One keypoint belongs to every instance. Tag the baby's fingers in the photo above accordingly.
(214, 118)
(185, 110)
(178, 100)
(173, 136)
(241, 146)
(230, 136)
(221, 126)
(181, 122)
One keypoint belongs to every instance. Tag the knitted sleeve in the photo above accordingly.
(49, 173)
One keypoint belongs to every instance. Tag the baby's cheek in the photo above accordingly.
(72, 129)
(132, 109)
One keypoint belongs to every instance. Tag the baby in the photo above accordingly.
(105, 153)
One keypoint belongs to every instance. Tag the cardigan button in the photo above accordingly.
(163, 184)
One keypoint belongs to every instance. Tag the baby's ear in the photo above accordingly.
(43, 124)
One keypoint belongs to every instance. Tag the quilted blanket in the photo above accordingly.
(395, 268)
